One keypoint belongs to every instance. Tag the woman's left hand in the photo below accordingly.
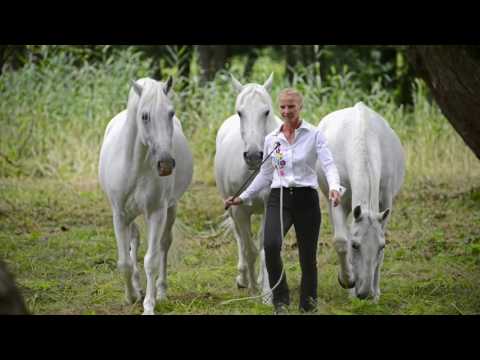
(334, 197)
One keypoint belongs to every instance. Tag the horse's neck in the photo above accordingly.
(364, 176)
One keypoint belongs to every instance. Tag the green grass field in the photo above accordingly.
(56, 233)
(58, 239)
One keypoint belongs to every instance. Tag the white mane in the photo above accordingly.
(252, 91)
(366, 176)
(152, 93)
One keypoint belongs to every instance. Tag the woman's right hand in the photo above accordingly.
(334, 197)
(231, 201)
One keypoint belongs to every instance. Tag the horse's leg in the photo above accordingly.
(338, 216)
(385, 203)
(124, 264)
(247, 252)
(165, 242)
(134, 243)
(263, 276)
(156, 224)
(241, 279)
(376, 280)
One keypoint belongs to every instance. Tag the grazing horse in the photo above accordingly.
(145, 167)
(371, 164)
(239, 151)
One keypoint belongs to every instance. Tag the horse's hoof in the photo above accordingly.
(130, 300)
(161, 295)
(138, 297)
(239, 284)
(350, 285)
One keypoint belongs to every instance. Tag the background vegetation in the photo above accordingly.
(55, 224)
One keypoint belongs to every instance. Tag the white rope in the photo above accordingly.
(269, 292)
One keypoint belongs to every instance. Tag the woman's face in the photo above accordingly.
(290, 108)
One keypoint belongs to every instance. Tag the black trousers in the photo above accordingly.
(300, 208)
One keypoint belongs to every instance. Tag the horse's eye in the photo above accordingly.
(239, 113)
(267, 113)
(145, 117)
(171, 113)
(355, 245)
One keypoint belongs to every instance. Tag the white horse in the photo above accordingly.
(371, 164)
(239, 151)
(145, 167)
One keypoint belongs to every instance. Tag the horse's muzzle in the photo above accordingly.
(165, 167)
(253, 159)
(345, 286)
(363, 292)
(362, 295)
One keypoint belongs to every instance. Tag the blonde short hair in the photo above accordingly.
(291, 92)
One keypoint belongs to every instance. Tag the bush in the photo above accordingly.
(55, 109)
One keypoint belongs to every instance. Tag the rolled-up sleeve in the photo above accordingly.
(262, 180)
(327, 163)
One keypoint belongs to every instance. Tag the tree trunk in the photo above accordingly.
(212, 58)
(252, 56)
(453, 75)
(291, 60)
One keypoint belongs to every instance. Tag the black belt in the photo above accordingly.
(293, 189)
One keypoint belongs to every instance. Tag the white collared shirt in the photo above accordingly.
(293, 165)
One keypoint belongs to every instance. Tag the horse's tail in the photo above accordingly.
(226, 225)
(224, 228)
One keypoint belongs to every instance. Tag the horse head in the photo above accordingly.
(254, 108)
(368, 242)
(154, 118)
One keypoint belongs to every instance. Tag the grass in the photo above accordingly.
(58, 239)
(56, 232)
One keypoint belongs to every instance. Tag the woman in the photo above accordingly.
(292, 167)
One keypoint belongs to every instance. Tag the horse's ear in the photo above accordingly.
(236, 84)
(357, 213)
(268, 84)
(137, 87)
(382, 217)
(168, 85)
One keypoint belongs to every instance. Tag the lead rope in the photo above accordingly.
(269, 292)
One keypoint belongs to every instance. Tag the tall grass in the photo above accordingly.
(53, 114)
